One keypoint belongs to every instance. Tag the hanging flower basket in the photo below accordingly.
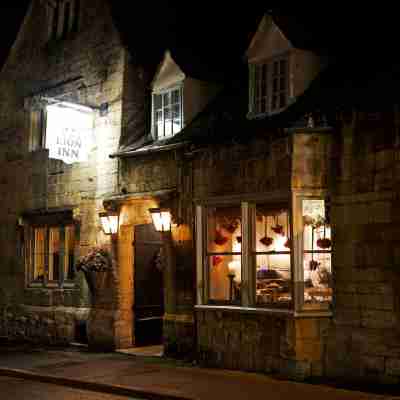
(239, 239)
(220, 239)
(324, 243)
(266, 240)
(216, 260)
(278, 229)
(97, 260)
(314, 265)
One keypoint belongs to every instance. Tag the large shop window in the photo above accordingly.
(50, 254)
(245, 255)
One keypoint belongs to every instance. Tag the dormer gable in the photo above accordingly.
(168, 74)
(268, 42)
(176, 98)
(278, 72)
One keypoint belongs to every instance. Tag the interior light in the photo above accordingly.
(109, 222)
(161, 219)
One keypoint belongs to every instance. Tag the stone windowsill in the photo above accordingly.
(49, 286)
(271, 311)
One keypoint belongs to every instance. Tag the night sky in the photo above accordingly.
(198, 32)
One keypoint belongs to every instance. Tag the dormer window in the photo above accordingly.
(64, 17)
(269, 86)
(167, 113)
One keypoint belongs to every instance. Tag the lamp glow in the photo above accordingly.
(235, 269)
(109, 222)
(161, 219)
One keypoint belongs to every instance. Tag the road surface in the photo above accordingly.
(19, 389)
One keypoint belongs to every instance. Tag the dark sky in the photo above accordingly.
(198, 32)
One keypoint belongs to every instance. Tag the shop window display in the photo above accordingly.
(271, 249)
(224, 254)
(316, 253)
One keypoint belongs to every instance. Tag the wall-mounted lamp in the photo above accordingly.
(109, 222)
(161, 219)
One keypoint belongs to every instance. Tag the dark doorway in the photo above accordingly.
(148, 286)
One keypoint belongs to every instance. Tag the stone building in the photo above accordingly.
(64, 98)
(281, 186)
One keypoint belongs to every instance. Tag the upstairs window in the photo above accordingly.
(64, 17)
(167, 113)
(269, 86)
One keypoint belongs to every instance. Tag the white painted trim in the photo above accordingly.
(249, 310)
(200, 267)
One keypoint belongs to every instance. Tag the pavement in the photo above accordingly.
(157, 378)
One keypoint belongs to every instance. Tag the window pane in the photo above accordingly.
(225, 278)
(176, 111)
(272, 246)
(275, 85)
(175, 96)
(157, 101)
(39, 254)
(159, 126)
(282, 100)
(317, 253)
(283, 67)
(166, 99)
(264, 74)
(282, 83)
(274, 103)
(69, 272)
(176, 125)
(54, 253)
(276, 68)
(224, 229)
(317, 278)
(273, 283)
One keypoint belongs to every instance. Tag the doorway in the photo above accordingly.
(148, 286)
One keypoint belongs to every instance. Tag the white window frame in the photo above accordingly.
(257, 86)
(161, 93)
(248, 292)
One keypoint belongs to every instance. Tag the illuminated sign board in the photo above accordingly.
(68, 133)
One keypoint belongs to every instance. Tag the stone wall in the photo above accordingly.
(365, 337)
(261, 342)
(257, 166)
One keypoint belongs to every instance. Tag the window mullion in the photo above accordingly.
(248, 280)
(61, 263)
(201, 265)
(297, 270)
(46, 255)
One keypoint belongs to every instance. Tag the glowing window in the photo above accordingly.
(50, 254)
(167, 113)
(269, 86)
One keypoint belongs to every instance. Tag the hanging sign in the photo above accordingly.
(68, 133)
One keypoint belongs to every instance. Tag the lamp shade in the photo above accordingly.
(161, 219)
(109, 222)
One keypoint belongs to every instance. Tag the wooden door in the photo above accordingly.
(148, 286)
